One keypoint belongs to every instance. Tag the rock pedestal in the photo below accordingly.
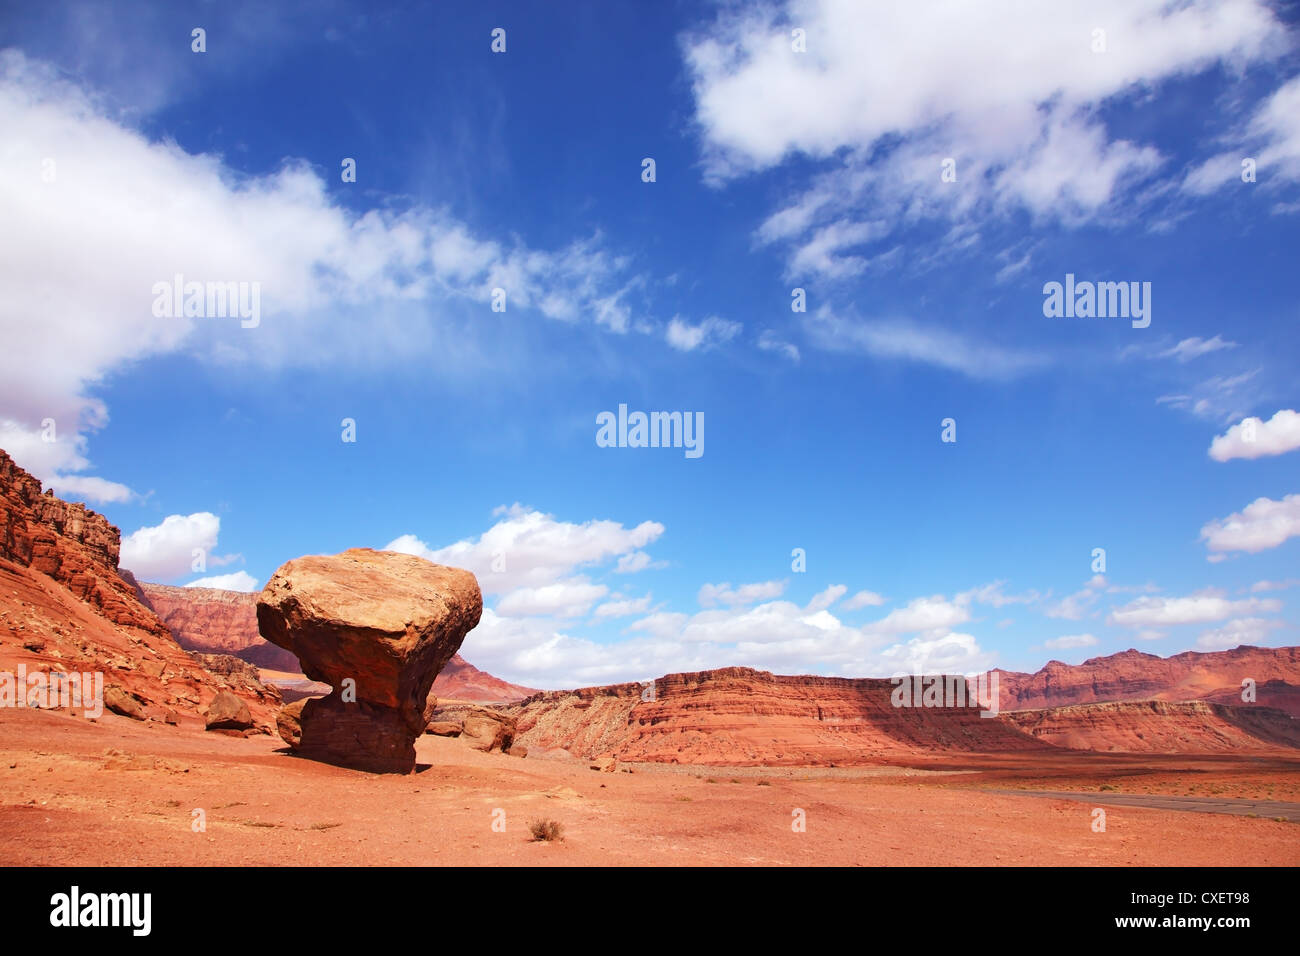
(377, 626)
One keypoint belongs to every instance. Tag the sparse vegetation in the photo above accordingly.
(546, 831)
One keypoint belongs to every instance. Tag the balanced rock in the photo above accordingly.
(377, 626)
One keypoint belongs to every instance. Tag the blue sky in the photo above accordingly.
(128, 158)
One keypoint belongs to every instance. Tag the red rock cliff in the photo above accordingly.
(1132, 675)
(738, 716)
(69, 543)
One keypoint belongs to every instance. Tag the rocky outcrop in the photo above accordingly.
(377, 626)
(1158, 726)
(1133, 675)
(738, 716)
(70, 544)
(65, 606)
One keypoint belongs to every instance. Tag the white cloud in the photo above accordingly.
(904, 340)
(1217, 398)
(1248, 630)
(992, 595)
(1195, 609)
(924, 614)
(57, 462)
(1188, 349)
(1271, 138)
(885, 92)
(824, 599)
(712, 331)
(1068, 641)
(1261, 586)
(238, 581)
(1278, 435)
(80, 254)
(635, 561)
(166, 550)
(862, 599)
(572, 597)
(1073, 607)
(533, 549)
(951, 653)
(1262, 524)
(768, 341)
(624, 607)
(712, 595)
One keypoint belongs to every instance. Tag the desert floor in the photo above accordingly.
(118, 792)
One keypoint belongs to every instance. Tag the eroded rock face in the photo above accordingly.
(743, 717)
(1132, 675)
(384, 622)
(65, 605)
(212, 621)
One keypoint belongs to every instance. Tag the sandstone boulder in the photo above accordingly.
(483, 728)
(289, 722)
(228, 712)
(443, 728)
(120, 702)
(377, 626)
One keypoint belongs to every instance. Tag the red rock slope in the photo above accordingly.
(1158, 726)
(65, 607)
(1132, 675)
(214, 621)
(742, 717)
(225, 622)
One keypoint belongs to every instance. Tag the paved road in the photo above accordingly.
(1270, 809)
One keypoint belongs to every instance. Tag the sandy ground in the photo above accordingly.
(119, 792)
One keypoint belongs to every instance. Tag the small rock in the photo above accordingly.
(228, 712)
(120, 702)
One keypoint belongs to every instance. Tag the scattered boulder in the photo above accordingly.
(489, 731)
(228, 712)
(443, 728)
(289, 722)
(482, 728)
(604, 764)
(518, 750)
(120, 702)
(377, 626)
